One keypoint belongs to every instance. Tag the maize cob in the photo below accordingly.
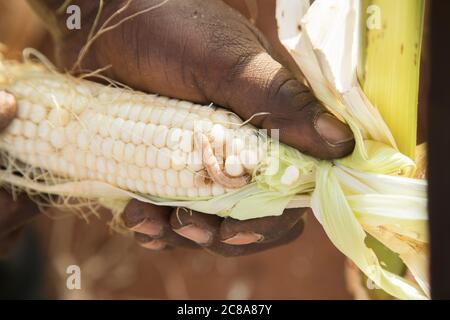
(142, 143)
(350, 197)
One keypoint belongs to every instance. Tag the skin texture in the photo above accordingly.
(203, 51)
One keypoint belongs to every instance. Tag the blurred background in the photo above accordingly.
(113, 266)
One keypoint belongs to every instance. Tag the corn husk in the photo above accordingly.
(369, 192)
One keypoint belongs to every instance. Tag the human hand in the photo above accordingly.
(205, 51)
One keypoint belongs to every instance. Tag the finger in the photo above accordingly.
(227, 250)
(244, 77)
(8, 109)
(204, 229)
(153, 221)
(267, 229)
(15, 213)
(150, 243)
(199, 227)
(220, 58)
(256, 83)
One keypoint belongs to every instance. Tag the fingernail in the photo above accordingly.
(242, 238)
(154, 245)
(332, 130)
(194, 233)
(149, 227)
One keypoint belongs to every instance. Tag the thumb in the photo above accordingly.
(7, 109)
(258, 83)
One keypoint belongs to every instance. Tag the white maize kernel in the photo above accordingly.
(121, 182)
(159, 176)
(91, 161)
(235, 147)
(172, 178)
(92, 175)
(59, 117)
(151, 156)
(113, 110)
(83, 140)
(43, 147)
(131, 184)
(44, 130)
(186, 178)
(23, 109)
(101, 165)
(249, 159)
(217, 134)
(191, 121)
(135, 112)
(178, 160)
(184, 105)
(122, 170)
(138, 133)
(181, 192)
(156, 114)
(124, 111)
(104, 128)
(160, 190)
(29, 146)
(115, 128)
(146, 174)
(160, 136)
(145, 114)
(38, 113)
(111, 166)
(195, 162)
(149, 132)
(95, 145)
(170, 191)
(107, 147)
(204, 191)
(166, 116)
(163, 158)
(118, 150)
(71, 130)
(16, 127)
(129, 152)
(58, 138)
(150, 188)
(126, 131)
(140, 155)
(192, 193)
(187, 141)
(233, 166)
(220, 117)
(140, 186)
(133, 172)
(29, 129)
(80, 159)
(110, 178)
(173, 138)
(217, 189)
(179, 118)
(290, 176)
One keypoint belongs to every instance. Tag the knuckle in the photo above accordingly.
(287, 93)
(133, 213)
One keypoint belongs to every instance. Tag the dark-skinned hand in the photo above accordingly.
(202, 51)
